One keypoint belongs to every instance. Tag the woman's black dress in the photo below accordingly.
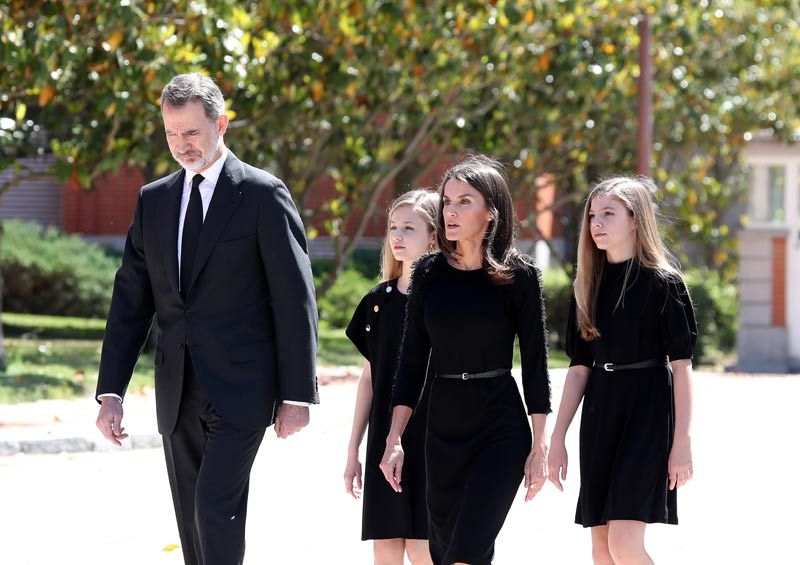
(628, 417)
(376, 329)
(478, 433)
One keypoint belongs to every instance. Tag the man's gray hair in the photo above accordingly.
(185, 88)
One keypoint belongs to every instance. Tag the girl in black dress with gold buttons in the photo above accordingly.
(630, 336)
(398, 524)
(466, 306)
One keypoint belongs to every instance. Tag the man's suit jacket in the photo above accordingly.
(249, 320)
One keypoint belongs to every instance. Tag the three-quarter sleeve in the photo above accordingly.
(357, 328)
(578, 349)
(678, 324)
(532, 333)
(415, 349)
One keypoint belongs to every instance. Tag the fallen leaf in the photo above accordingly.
(171, 547)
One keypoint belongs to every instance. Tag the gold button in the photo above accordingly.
(376, 308)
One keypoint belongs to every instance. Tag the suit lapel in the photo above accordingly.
(224, 202)
(168, 222)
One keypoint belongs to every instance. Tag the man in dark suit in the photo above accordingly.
(217, 253)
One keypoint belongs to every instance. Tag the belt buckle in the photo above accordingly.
(607, 367)
(464, 376)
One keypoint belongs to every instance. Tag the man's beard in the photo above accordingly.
(202, 161)
(195, 166)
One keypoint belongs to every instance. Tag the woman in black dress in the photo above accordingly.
(398, 524)
(630, 337)
(466, 306)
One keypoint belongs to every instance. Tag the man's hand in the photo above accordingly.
(109, 420)
(290, 419)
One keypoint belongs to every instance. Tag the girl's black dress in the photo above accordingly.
(478, 432)
(376, 329)
(628, 416)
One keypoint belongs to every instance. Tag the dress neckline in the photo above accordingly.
(622, 265)
(453, 268)
(392, 288)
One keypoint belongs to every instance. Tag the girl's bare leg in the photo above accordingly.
(600, 552)
(626, 542)
(418, 552)
(389, 551)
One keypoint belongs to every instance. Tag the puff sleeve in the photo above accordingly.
(677, 322)
(357, 328)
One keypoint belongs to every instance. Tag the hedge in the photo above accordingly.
(46, 271)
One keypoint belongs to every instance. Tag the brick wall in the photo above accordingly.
(107, 209)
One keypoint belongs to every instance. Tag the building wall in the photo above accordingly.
(104, 213)
(762, 341)
(774, 220)
(34, 200)
(107, 209)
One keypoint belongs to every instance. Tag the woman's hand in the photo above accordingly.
(680, 462)
(535, 470)
(392, 463)
(352, 476)
(557, 462)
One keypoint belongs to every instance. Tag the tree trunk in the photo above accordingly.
(3, 356)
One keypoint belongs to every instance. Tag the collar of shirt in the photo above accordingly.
(210, 175)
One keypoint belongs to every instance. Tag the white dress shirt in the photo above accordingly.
(210, 178)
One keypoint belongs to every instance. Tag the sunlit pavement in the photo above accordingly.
(115, 507)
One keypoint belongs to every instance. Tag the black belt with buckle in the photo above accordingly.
(469, 376)
(610, 367)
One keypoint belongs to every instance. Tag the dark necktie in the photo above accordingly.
(192, 225)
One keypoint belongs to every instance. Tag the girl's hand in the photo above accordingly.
(535, 470)
(557, 462)
(680, 463)
(392, 463)
(352, 476)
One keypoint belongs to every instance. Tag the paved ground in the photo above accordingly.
(114, 507)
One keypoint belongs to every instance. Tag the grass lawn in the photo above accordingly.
(57, 368)
(67, 368)
(52, 327)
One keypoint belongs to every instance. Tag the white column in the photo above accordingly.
(793, 257)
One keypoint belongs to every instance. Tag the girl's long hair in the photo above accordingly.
(637, 194)
(425, 203)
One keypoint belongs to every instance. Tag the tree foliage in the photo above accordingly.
(367, 95)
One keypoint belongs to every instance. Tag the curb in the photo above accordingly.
(75, 445)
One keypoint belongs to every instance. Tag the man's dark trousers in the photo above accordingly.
(209, 462)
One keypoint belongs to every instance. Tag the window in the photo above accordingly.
(776, 189)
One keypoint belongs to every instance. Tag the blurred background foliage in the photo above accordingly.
(369, 94)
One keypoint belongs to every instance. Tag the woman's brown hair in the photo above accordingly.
(487, 176)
